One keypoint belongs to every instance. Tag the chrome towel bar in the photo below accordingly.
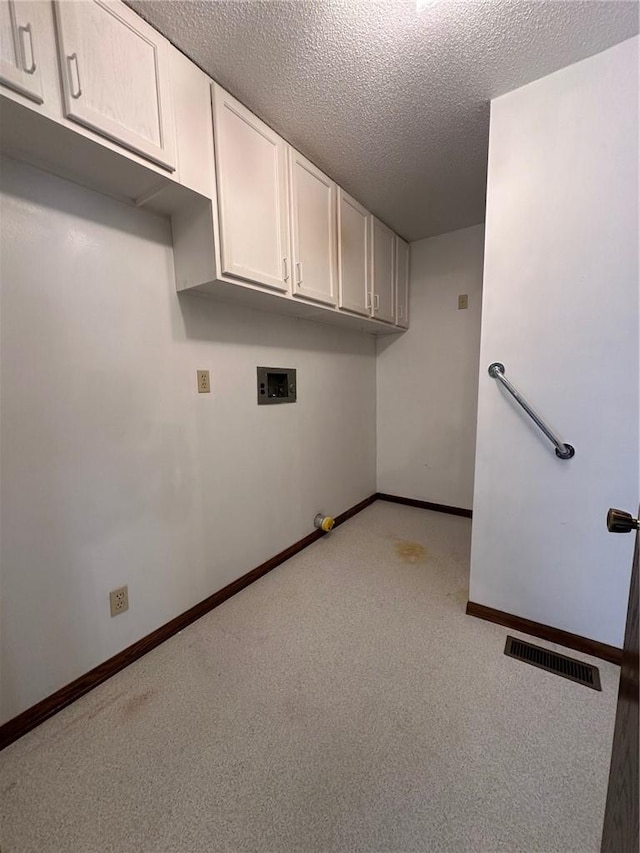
(563, 450)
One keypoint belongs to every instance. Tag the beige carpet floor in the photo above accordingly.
(345, 703)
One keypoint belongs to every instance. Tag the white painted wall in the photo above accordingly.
(114, 470)
(560, 309)
(428, 377)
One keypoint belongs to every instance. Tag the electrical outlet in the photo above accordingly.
(463, 301)
(119, 600)
(204, 386)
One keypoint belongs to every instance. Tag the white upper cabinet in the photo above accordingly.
(115, 76)
(353, 255)
(91, 92)
(19, 55)
(402, 283)
(251, 166)
(313, 217)
(383, 271)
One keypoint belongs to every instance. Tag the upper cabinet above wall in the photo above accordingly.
(313, 220)
(402, 283)
(383, 270)
(115, 75)
(91, 92)
(270, 238)
(251, 170)
(354, 263)
(19, 55)
(86, 93)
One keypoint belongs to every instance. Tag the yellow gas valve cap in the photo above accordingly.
(324, 522)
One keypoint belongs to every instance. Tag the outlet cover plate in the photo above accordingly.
(119, 600)
(204, 385)
(463, 301)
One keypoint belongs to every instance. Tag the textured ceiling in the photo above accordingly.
(391, 103)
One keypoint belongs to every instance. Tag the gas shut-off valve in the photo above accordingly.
(323, 522)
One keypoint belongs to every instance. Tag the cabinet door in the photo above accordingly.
(115, 76)
(383, 271)
(313, 217)
(402, 283)
(353, 255)
(251, 167)
(19, 55)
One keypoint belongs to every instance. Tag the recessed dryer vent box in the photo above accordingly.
(276, 385)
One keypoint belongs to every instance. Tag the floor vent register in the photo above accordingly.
(569, 668)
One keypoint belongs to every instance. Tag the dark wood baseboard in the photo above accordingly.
(452, 510)
(32, 717)
(545, 632)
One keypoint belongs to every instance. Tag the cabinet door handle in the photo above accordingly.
(285, 262)
(376, 305)
(400, 312)
(25, 30)
(299, 277)
(73, 58)
(369, 299)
